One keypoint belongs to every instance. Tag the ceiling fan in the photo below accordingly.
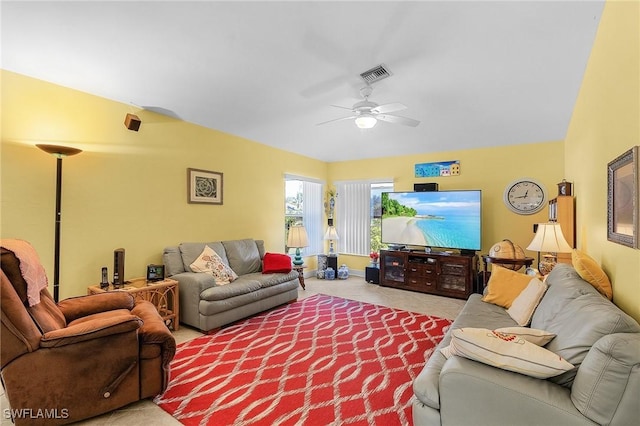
(366, 113)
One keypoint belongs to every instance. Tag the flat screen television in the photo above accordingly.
(440, 219)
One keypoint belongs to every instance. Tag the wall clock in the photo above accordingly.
(525, 196)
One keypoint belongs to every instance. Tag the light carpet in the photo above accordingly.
(322, 360)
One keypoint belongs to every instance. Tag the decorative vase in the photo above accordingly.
(329, 274)
(374, 264)
(343, 272)
(320, 274)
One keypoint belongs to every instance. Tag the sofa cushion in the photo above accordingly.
(504, 286)
(269, 280)
(276, 262)
(599, 386)
(591, 272)
(172, 261)
(243, 255)
(507, 351)
(579, 316)
(243, 285)
(190, 251)
(211, 263)
(522, 308)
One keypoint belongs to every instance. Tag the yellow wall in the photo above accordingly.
(128, 189)
(487, 169)
(606, 123)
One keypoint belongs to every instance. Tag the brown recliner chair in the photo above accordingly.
(80, 358)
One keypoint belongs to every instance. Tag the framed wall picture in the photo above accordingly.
(622, 199)
(204, 186)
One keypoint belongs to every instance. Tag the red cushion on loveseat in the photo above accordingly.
(276, 262)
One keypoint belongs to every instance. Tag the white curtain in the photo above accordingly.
(353, 222)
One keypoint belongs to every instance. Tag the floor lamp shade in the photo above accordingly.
(297, 238)
(59, 152)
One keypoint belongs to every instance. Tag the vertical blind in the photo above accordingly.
(312, 216)
(353, 222)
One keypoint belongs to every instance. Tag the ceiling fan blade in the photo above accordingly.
(339, 106)
(383, 109)
(396, 119)
(336, 119)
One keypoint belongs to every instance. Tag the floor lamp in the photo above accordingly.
(60, 152)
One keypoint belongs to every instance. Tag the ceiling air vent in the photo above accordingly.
(375, 74)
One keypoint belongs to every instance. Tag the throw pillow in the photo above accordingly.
(211, 263)
(276, 262)
(522, 307)
(504, 286)
(508, 352)
(532, 335)
(591, 272)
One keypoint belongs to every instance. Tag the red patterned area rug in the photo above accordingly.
(322, 360)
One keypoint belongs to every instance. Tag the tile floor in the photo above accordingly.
(355, 288)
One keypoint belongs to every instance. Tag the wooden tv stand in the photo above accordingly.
(440, 273)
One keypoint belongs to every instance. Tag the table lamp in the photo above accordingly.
(331, 235)
(297, 238)
(549, 238)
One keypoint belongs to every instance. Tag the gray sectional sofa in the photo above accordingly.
(208, 306)
(601, 341)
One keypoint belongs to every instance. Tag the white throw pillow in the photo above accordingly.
(208, 261)
(527, 301)
(507, 351)
(531, 335)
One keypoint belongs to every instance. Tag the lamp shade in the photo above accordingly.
(549, 238)
(331, 234)
(297, 237)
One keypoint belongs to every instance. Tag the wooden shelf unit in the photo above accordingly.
(443, 274)
(562, 210)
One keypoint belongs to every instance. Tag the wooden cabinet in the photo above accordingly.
(562, 210)
(436, 273)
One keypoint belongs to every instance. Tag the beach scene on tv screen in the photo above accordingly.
(448, 219)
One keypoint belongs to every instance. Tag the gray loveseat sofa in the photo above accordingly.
(601, 341)
(208, 306)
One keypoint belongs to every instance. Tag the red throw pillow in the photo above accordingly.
(276, 262)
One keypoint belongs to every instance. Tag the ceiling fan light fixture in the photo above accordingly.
(366, 121)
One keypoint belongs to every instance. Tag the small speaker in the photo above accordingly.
(425, 187)
(132, 122)
(118, 268)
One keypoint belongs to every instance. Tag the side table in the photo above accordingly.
(300, 269)
(163, 294)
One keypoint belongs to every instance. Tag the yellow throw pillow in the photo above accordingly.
(504, 286)
(591, 272)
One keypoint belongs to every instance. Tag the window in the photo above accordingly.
(303, 205)
(359, 215)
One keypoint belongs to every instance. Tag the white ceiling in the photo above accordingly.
(476, 74)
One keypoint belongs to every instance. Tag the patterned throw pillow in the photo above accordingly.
(508, 352)
(211, 263)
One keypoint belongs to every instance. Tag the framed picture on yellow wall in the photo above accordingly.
(204, 186)
(622, 199)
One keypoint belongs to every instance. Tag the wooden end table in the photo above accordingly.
(300, 269)
(163, 294)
